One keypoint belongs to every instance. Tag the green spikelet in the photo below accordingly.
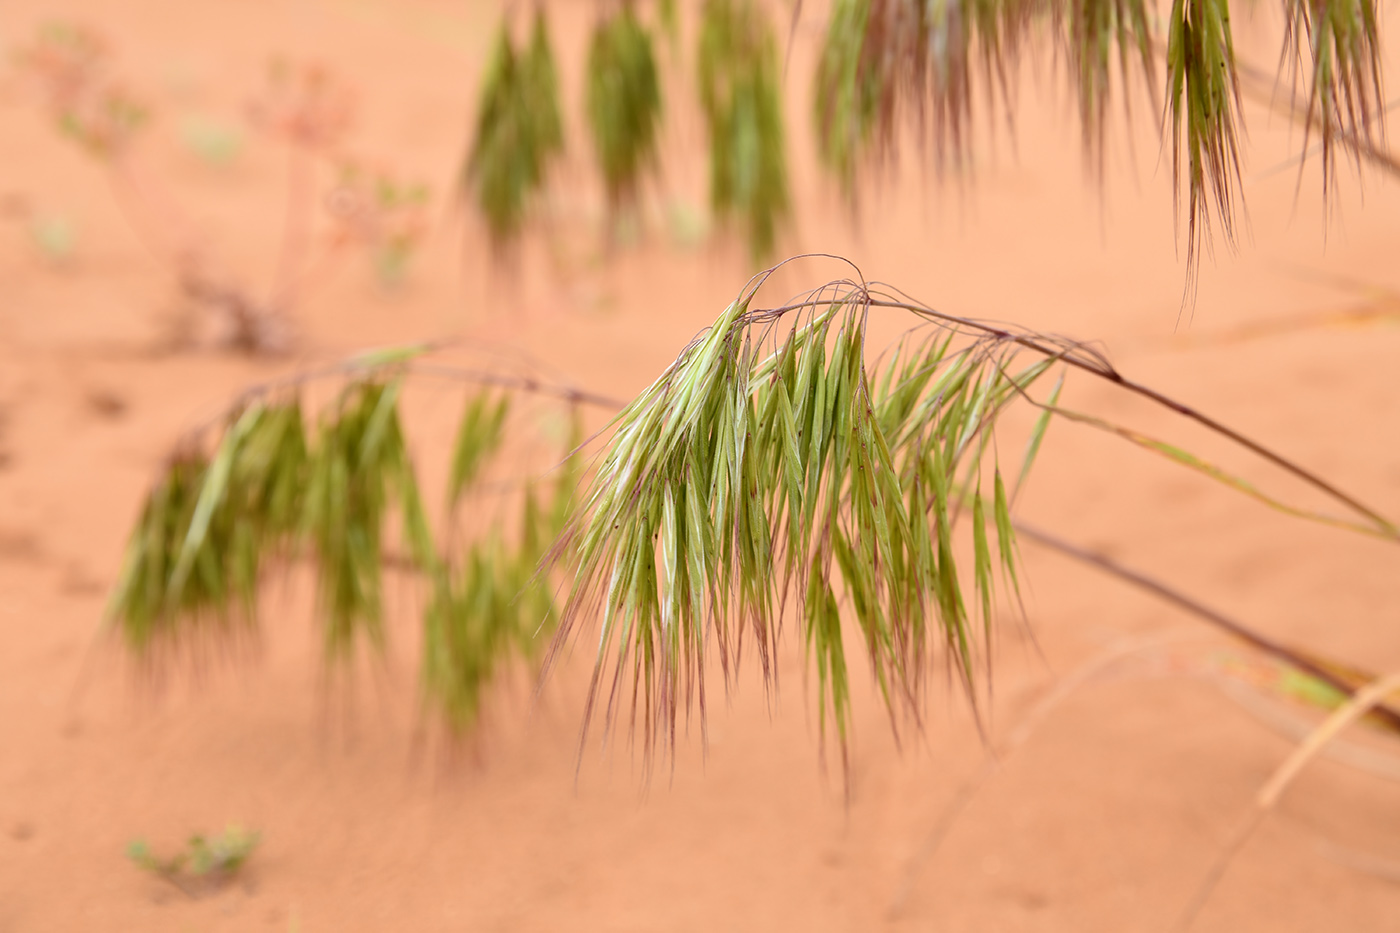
(496, 602)
(541, 90)
(479, 436)
(140, 607)
(624, 105)
(847, 95)
(519, 131)
(359, 464)
(1203, 107)
(741, 99)
(194, 562)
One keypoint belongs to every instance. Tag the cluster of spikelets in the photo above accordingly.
(740, 92)
(762, 464)
(1342, 39)
(498, 602)
(196, 556)
(624, 104)
(519, 131)
(773, 461)
(848, 94)
(274, 491)
(741, 97)
(886, 60)
(883, 60)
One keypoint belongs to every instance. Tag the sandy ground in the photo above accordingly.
(1105, 817)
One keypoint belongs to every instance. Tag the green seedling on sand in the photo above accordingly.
(205, 863)
(302, 106)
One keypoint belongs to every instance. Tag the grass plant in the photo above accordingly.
(205, 864)
(267, 485)
(778, 461)
(302, 105)
(771, 462)
(383, 213)
(886, 65)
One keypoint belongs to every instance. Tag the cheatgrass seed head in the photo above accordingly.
(741, 96)
(1203, 106)
(624, 103)
(1344, 90)
(359, 466)
(518, 132)
(492, 603)
(742, 479)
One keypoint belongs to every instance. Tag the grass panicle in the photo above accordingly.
(494, 602)
(1345, 97)
(774, 460)
(1090, 31)
(1203, 105)
(743, 475)
(359, 465)
(741, 98)
(276, 488)
(624, 105)
(519, 131)
(887, 60)
(208, 527)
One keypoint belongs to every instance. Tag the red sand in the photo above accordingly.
(1105, 818)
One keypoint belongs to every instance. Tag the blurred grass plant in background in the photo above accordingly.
(887, 66)
(741, 99)
(519, 130)
(264, 487)
(624, 106)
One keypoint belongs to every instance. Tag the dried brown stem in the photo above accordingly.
(1097, 366)
(1237, 629)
